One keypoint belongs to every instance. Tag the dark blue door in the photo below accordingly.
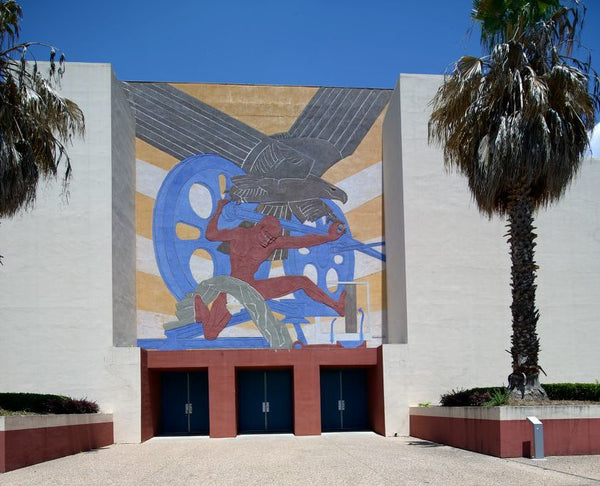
(330, 397)
(173, 400)
(279, 388)
(251, 396)
(265, 403)
(184, 403)
(344, 399)
(198, 400)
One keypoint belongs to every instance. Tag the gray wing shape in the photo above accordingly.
(251, 188)
(182, 125)
(334, 123)
(254, 188)
(311, 210)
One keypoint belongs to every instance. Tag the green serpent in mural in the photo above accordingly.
(273, 330)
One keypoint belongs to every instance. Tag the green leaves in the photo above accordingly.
(504, 20)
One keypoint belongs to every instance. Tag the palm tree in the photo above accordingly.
(35, 122)
(515, 122)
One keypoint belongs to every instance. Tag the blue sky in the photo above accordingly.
(353, 43)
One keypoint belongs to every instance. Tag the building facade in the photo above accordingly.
(249, 259)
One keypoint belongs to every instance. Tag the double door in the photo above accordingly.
(344, 400)
(265, 401)
(184, 403)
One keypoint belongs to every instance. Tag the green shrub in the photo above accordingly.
(469, 398)
(496, 396)
(455, 398)
(44, 403)
(573, 391)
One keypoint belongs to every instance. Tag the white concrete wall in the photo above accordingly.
(123, 218)
(396, 391)
(395, 324)
(458, 268)
(57, 304)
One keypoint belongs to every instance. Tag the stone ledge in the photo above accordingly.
(505, 432)
(19, 422)
(547, 412)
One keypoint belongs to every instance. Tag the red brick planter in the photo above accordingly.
(30, 439)
(505, 432)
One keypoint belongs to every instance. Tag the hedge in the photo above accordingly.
(573, 391)
(45, 404)
(556, 391)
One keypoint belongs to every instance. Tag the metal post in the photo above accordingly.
(538, 437)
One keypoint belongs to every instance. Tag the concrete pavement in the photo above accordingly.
(362, 458)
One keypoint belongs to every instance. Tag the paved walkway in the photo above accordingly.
(336, 459)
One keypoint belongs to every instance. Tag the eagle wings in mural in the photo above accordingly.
(283, 171)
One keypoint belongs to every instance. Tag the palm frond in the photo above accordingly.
(517, 116)
(36, 123)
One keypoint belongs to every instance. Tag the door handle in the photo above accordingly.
(341, 405)
(265, 407)
(188, 408)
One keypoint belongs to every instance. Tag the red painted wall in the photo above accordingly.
(564, 437)
(147, 399)
(222, 364)
(20, 448)
(307, 399)
(2, 453)
(376, 402)
(510, 438)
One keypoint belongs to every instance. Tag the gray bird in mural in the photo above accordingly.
(283, 171)
(282, 183)
(278, 197)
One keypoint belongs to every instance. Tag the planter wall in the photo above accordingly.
(505, 431)
(30, 439)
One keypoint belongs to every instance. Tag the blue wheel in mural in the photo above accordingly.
(327, 264)
(184, 205)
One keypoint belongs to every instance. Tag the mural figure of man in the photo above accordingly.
(248, 248)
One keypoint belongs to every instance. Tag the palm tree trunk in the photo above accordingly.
(524, 379)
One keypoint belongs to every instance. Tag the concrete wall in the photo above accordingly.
(59, 278)
(458, 269)
(123, 218)
(396, 391)
(395, 326)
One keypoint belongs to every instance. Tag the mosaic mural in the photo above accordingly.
(258, 216)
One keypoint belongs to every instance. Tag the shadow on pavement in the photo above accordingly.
(424, 443)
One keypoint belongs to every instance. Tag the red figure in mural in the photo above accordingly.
(249, 247)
